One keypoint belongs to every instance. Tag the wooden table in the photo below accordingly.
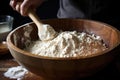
(111, 72)
(7, 61)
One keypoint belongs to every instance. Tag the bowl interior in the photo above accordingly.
(23, 35)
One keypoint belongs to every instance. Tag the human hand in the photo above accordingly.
(22, 6)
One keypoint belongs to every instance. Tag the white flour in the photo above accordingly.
(47, 33)
(16, 72)
(68, 44)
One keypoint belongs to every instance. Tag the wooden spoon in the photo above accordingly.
(45, 32)
(35, 19)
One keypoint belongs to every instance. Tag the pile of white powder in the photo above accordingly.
(68, 44)
(17, 72)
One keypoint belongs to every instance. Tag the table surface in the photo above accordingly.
(7, 61)
(111, 72)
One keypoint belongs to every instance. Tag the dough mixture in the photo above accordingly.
(68, 44)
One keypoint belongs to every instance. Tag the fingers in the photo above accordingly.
(17, 7)
(13, 4)
(24, 7)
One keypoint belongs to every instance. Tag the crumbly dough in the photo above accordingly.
(68, 44)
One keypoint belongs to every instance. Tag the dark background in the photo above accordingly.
(45, 11)
(49, 10)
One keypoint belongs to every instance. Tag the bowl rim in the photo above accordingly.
(10, 44)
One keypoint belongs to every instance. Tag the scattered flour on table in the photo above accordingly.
(17, 72)
(68, 44)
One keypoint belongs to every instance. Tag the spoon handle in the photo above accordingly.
(35, 18)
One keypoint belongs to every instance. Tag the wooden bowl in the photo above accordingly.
(64, 68)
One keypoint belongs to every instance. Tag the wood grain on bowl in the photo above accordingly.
(64, 68)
